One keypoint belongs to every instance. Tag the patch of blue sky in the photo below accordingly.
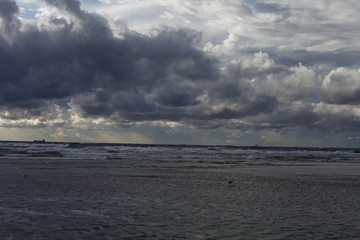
(28, 10)
(91, 3)
(28, 13)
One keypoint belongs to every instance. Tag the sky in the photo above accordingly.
(244, 72)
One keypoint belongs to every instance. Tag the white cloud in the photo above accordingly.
(342, 86)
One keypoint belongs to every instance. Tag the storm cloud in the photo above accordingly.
(82, 58)
(75, 66)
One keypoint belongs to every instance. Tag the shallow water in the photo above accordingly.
(62, 191)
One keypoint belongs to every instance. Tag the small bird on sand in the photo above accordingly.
(230, 183)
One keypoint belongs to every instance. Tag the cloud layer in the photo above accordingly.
(245, 65)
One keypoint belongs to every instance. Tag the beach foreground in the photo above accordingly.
(53, 191)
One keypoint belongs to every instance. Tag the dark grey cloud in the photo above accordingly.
(8, 10)
(76, 64)
(8, 14)
(291, 116)
(177, 95)
(82, 58)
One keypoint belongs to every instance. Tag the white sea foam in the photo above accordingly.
(169, 153)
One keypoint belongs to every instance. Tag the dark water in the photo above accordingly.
(89, 191)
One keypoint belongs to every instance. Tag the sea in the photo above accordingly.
(94, 191)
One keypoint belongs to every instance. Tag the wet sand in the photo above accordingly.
(100, 201)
